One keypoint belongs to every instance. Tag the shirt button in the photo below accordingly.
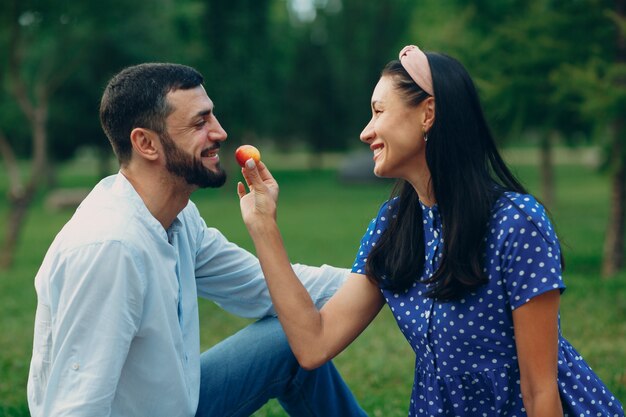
(75, 366)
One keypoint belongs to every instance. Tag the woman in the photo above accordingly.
(467, 261)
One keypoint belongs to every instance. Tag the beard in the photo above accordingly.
(190, 168)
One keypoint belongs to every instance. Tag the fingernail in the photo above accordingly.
(250, 163)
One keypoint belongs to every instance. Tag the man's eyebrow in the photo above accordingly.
(203, 113)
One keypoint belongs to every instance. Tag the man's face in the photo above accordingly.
(192, 139)
(191, 168)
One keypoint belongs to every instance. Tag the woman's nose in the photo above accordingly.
(368, 132)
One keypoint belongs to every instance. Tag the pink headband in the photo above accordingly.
(415, 63)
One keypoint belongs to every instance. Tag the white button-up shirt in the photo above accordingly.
(116, 327)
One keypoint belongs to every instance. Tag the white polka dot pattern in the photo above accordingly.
(466, 361)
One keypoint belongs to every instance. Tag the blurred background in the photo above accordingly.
(294, 78)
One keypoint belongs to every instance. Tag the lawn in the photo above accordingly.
(322, 222)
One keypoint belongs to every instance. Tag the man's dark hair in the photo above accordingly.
(136, 97)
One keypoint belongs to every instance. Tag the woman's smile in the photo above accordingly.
(377, 149)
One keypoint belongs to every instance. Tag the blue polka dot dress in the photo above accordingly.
(466, 360)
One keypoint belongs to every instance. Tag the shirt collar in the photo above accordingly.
(124, 189)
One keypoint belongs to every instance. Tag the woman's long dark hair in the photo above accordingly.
(467, 175)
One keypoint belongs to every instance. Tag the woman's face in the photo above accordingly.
(395, 133)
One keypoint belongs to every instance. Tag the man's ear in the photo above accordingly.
(145, 143)
(429, 113)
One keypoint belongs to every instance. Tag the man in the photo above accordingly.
(117, 327)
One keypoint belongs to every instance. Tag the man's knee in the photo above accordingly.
(259, 350)
(246, 369)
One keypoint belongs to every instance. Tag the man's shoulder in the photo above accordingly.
(100, 221)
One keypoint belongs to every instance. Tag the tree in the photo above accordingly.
(119, 34)
(33, 73)
(315, 110)
(520, 52)
(600, 85)
(46, 47)
(239, 61)
(362, 38)
(337, 64)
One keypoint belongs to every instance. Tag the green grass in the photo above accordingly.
(322, 222)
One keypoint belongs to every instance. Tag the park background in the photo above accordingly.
(294, 77)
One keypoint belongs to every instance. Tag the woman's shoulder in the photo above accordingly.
(511, 200)
(388, 209)
(391, 204)
(517, 210)
(386, 212)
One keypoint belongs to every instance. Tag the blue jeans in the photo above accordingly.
(243, 372)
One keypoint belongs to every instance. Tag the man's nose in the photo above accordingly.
(217, 132)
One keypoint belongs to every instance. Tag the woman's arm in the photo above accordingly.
(537, 340)
(314, 336)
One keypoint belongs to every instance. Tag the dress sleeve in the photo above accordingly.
(374, 230)
(527, 250)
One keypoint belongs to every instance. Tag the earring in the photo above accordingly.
(425, 136)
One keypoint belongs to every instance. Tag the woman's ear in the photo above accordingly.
(429, 113)
(145, 143)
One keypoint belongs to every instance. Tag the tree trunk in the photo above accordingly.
(18, 208)
(19, 202)
(32, 97)
(546, 169)
(12, 167)
(613, 255)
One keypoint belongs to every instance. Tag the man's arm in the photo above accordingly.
(232, 277)
(96, 300)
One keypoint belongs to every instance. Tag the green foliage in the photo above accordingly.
(72, 49)
(240, 63)
(519, 58)
(274, 76)
(599, 87)
(343, 52)
(118, 34)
